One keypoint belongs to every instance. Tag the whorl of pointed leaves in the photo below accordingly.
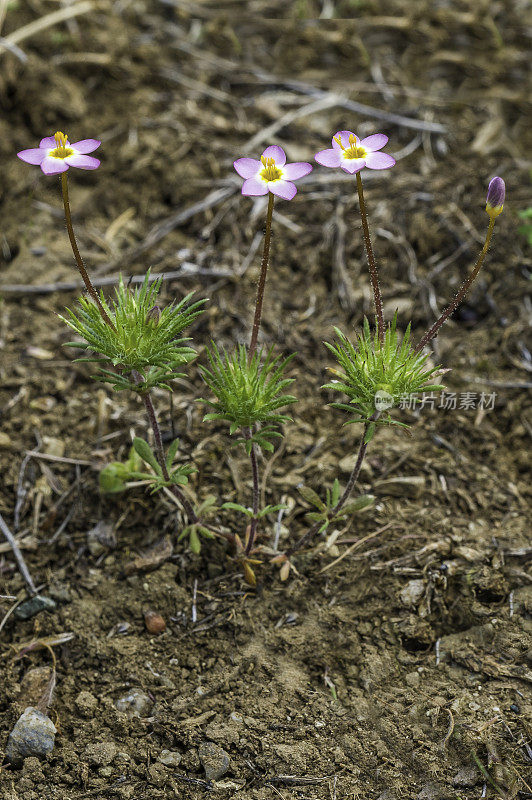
(370, 366)
(144, 342)
(248, 392)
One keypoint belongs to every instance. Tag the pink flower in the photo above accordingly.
(353, 154)
(55, 154)
(271, 173)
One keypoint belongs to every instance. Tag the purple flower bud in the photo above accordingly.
(154, 315)
(495, 198)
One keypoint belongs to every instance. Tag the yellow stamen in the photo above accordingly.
(270, 171)
(61, 149)
(352, 151)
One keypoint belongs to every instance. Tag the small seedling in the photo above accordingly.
(249, 393)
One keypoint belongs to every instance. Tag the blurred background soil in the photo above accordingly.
(403, 669)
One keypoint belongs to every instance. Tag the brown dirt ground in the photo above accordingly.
(329, 678)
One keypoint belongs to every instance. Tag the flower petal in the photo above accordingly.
(86, 145)
(83, 162)
(379, 161)
(344, 136)
(247, 167)
(53, 166)
(353, 165)
(296, 170)
(254, 187)
(329, 158)
(283, 189)
(47, 142)
(33, 156)
(277, 153)
(374, 142)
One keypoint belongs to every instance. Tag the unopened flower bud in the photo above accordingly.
(495, 197)
(154, 315)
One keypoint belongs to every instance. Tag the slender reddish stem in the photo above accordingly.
(374, 275)
(262, 278)
(460, 294)
(77, 255)
(159, 450)
(256, 492)
(309, 535)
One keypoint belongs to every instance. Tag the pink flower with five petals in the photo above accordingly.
(55, 154)
(271, 173)
(353, 154)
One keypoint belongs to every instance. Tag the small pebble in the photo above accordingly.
(135, 704)
(412, 593)
(33, 735)
(105, 772)
(413, 679)
(467, 777)
(170, 758)
(433, 791)
(214, 760)
(155, 624)
(101, 538)
(29, 608)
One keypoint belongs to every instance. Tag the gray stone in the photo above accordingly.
(412, 593)
(29, 608)
(101, 538)
(434, 791)
(413, 679)
(135, 704)
(170, 758)
(33, 735)
(467, 777)
(105, 772)
(100, 754)
(215, 761)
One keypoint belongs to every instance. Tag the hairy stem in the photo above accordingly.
(460, 294)
(159, 447)
(374, 275)
(77, 255)
(262, 278)
(354, 474)
(188, 508)
(24, 571)
(159, 451)
(256, 493)
(309, 535)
